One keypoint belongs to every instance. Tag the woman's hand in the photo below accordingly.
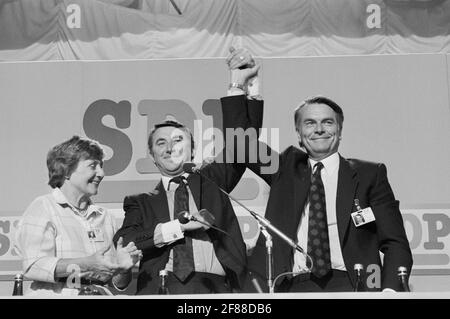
(99, 267)
(128, 256)
(103, 276)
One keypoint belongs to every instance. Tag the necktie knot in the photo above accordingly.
(179, 180)
(318, 167)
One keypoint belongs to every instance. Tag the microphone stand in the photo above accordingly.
(269, 258)
(264, 224)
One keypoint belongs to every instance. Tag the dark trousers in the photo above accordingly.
(198, 283)
(334, 281)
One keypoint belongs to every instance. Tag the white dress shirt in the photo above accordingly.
(205, 259)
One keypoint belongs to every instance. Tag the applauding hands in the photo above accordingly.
(102, 268)
(128, 256)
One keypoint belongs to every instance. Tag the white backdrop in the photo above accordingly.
(40, 30)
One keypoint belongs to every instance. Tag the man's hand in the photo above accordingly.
(194, 225)
(239, 58)
(242, 66)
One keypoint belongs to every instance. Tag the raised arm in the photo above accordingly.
(227, 169)
(242, 119)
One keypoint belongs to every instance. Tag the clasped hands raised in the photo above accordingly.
(242, 65)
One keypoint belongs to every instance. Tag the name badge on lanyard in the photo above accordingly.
(96, 235)
(362, 216)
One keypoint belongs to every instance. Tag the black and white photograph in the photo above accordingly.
(245, 150)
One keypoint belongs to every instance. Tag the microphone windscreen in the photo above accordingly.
(183, 217)
(207, 216)
(189, 167)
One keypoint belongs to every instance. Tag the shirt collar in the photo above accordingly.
(166, 180)
(330, 164)
(61, 199)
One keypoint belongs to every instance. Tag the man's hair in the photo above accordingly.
(62, 159)
(320, 100)
(171, 123)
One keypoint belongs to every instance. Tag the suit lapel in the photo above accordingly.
(302, 183)
(159, 204)
(346, 188)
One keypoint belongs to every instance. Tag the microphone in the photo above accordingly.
(185, 217)
(190, 168)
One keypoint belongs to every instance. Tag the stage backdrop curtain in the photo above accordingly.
(33, 30)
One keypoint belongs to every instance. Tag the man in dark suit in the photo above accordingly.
(311, 200)
(198, 258)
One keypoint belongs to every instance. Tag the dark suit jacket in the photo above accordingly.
(144, 211)
(363, 180)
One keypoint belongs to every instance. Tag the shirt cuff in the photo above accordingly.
(171, 231)
(235, 91)
(43, 269)
(253, 87)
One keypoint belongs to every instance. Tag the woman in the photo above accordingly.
(65, 240)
